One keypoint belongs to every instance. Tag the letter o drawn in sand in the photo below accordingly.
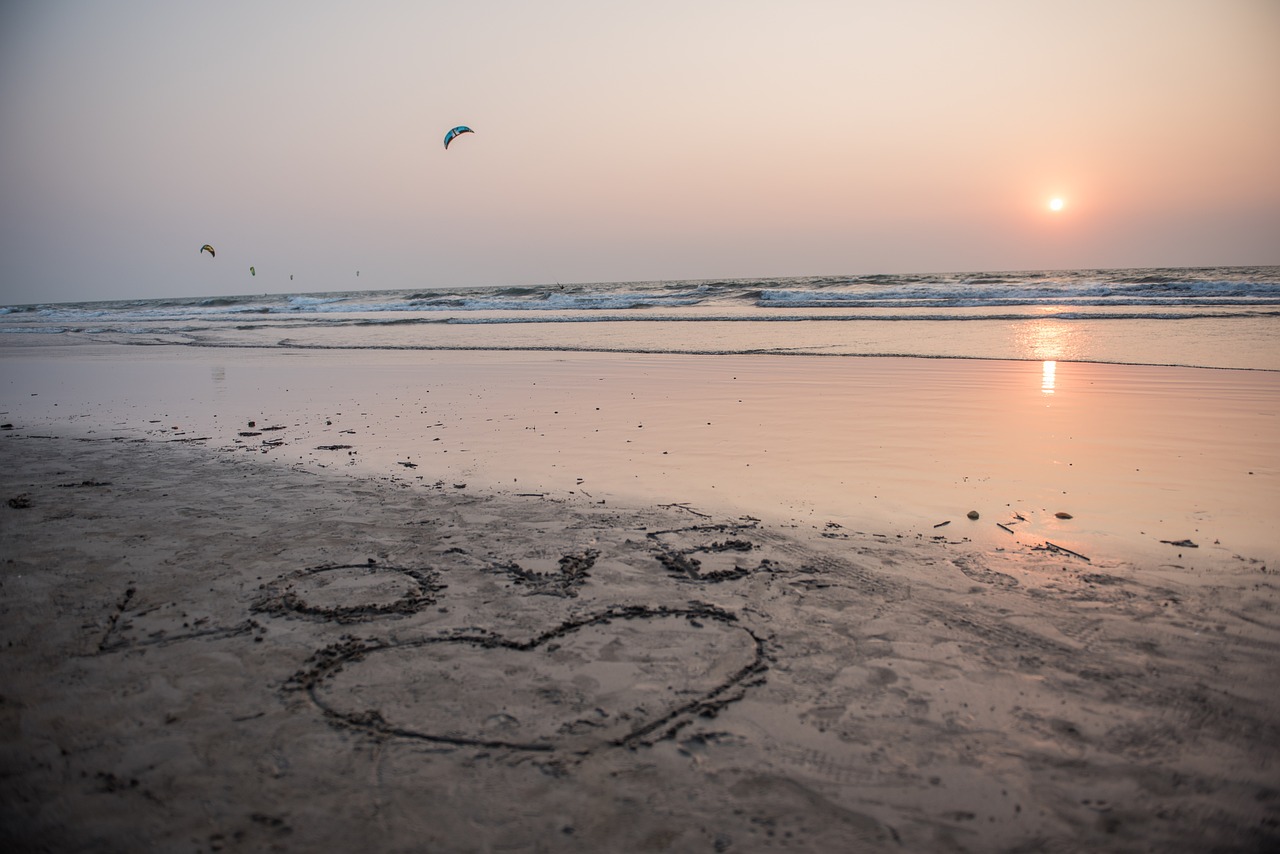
(626, 676)
(350, 593)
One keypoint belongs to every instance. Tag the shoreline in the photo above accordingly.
(1041, 339)
(208, 649)
(74, 344)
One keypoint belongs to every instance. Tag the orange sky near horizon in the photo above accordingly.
(669, 141)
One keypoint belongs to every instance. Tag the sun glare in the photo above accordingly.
(1056, 204)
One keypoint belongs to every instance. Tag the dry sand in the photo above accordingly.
(206, 649)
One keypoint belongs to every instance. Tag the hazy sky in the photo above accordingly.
(619, 141)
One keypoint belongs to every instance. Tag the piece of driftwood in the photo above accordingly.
(684, 507)
(1058, 548)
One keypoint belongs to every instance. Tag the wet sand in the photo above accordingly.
(1136, 455)
(213, 641)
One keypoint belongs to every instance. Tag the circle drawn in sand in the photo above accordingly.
(350, 593)
(622, 677)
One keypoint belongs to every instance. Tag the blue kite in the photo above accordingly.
(460, 129)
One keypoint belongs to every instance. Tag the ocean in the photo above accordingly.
(1219, 317)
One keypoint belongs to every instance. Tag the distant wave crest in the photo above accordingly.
(805, 307)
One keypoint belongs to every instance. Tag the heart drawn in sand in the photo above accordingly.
(616, 678)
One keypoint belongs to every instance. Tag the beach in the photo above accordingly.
(261, 599)
(568, 428)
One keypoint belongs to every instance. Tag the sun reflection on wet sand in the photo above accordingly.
(1047, 341)
(1048, 376)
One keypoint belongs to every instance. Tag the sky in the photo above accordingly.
(623, 141)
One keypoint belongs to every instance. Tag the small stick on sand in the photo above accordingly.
(687, 509)
(1059, 548)
(1006, 527)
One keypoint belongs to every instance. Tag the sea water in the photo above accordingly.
(1220, 317)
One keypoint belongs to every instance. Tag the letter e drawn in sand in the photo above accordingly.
(680, 563)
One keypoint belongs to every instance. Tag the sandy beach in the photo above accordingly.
(578, 428)
(594, 602)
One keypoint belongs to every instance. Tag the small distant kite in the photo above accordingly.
(460, 129)
(209, 249)
(252, 272)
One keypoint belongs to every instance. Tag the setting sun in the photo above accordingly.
(1056, 204)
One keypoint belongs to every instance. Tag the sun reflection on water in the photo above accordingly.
(1045, 338)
